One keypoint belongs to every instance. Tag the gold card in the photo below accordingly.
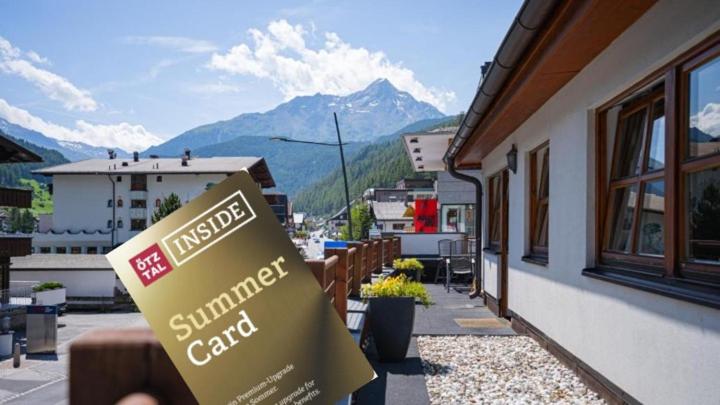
(235, 306)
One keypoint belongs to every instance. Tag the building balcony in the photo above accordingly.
(138, 213)
(13, 197)
(138, 194)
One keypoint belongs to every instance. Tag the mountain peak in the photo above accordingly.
(381, 84)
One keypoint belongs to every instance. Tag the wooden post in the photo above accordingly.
(396, 248)
(360, 267)
(377, 259)
(107, 366)
(387, 252)
(341, 280)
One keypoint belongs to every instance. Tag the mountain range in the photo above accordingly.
(71, 150)
(377, 110)
(369, 116)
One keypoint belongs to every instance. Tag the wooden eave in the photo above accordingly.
(577, 32)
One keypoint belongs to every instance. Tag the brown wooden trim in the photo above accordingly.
(492, 303)
(504, 228)
(536, 202)
(608, 390)
(536, 259)
(671, 230)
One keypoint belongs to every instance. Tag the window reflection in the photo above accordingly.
(703, 217)
(704, 131)
(652, 219)
(623, 205)
(656, 158)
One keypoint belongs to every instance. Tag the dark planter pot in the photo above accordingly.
(412, 275)
(391, 324)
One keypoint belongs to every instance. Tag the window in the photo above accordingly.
(458, 218)
(495, 210)
(539, 201)
(44, 249)
(138, 203)
(120, 224)
(658, 140)
(118, 179)
(92, 250)
(138, 182)
(398, 227)
(157, 203)
(109, 204)
(138, 224)
(61, 250)
(158, 179)
(106, 249)
(75, 250)
(120, 203)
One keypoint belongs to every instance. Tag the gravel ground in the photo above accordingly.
(497, 370)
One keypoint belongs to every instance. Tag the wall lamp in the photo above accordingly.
(512, 159)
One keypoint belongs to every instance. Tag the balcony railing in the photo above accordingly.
(15, 197)
(138, 213)
(138, 194)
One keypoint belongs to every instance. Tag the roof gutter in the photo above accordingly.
(529, 20)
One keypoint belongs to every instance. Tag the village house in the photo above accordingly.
(100, 203)
(597, 134)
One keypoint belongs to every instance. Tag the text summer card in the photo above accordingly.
(236, 307)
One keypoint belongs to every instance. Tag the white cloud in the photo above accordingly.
(215, 88)
(33, 56)
(123, 135)
(182, 44)
(708, 120)
(54, 86)
(281, 55)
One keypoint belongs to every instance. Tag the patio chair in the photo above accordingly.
(461, 260)
(444, 249)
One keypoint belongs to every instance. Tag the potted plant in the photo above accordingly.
(50, 293)
(412, 268)
(392, 314)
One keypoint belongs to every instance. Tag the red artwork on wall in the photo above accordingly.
(426, 218)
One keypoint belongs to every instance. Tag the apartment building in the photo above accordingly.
(100, 203)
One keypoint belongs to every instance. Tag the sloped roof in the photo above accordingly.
(385, 211)
(255, 165)
(60, 262)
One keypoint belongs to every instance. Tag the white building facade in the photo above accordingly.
(100, 203)
(629, 298)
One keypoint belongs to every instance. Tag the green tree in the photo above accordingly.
(21, 221)
(362, 221)
(167, 207)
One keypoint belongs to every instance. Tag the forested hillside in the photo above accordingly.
(377, 165)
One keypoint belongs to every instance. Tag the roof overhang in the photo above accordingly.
(426, 150)
(261, 173)
(548, 44)
(11, 152)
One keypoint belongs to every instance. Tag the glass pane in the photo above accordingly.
(542, 162)
(622, 202)
(652, 219)
(703, 217)
(656, 160)
(629, 149)
(704, 132)
(541, 226)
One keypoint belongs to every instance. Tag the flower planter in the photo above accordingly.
(391, 324)
(52, 297)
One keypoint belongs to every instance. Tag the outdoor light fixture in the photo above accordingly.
(512, 159)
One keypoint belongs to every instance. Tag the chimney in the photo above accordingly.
(136, 157)
(111, 154)
(185, 158)
(187, 153)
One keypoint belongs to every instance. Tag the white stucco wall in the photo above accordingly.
(80, 201)
(79, 283)
(660, 350)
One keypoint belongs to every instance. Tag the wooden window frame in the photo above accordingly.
(494, 245)
(537, 252)
(673, 274)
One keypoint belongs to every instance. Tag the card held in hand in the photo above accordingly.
(235, 306)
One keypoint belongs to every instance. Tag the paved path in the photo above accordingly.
(404, 382)
(43, 379)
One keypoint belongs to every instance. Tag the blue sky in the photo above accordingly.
(134, 73)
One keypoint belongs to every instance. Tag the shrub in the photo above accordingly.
(48, 285)
(399, 286)
(406, 266)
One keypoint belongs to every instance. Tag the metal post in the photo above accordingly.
(347, 191)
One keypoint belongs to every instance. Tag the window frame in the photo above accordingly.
(672, 274)
(494, 245)
(537, 252)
